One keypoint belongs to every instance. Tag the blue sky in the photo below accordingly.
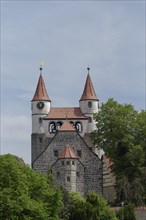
(109, 36)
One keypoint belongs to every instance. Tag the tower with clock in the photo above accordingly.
(41, 105)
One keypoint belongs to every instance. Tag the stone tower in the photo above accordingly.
(65, 169)
(41, 105)
(89, 103)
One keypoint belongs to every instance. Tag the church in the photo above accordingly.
(61, 143)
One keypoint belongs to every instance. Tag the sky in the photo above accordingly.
(69, 36)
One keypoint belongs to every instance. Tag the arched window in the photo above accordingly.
(78, 126)
(89, 104)
(52, 127)
(72, 123)
(59, 123)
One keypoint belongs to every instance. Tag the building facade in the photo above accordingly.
(61, 142)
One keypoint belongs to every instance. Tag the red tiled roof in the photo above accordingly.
(41, 92)
(63, 113)
(67, 127)
(67, 153)
(89, 92)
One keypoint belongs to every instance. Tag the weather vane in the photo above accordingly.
(41, 65)
(88, 68)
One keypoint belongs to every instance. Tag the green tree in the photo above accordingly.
(94, 207)
(77, 207)
(121, 132)
(26, 194)
(99, 208)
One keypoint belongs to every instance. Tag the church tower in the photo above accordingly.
(89, 103)
(60, 140)
(41, 105)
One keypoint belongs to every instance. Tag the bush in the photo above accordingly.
(128, 212)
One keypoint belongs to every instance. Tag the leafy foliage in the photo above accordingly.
(127, 212)
(26, 194)
(121, 132)
(94, 207)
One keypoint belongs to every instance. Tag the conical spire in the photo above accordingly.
(89, 92)
(41, 92)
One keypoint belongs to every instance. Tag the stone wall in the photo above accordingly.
(38, 144)
(93, 165)
(140, 213)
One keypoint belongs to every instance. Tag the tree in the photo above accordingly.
(26, 194)
(126, 212)
(121, 133)
(94, 207)
(99, 208)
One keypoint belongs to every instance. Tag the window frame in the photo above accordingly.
(89, 104)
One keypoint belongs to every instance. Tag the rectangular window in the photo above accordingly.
(73, 163)
(62, 163)
(40, 120)
(56, 153)
(58, 174)
(90, 120)
(68, 178)
(68, 162)
(78, 174)
(79, 153)
(89, 104)
(41, 140)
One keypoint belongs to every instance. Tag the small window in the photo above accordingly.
(40, 120)
(41, 140)
(68, 178)
(79, 153)
(52, 127)
(78, 174)
(90, 120)
(68, 162)
(59, 124)
(56, 153)
(89, 104)
(73, 163)
(78, 126)
(62, 163)
(72, 123)
(58, 174)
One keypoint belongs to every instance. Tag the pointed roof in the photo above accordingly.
(67, 127)
(67, 153)
(41, 92)
(89, 92)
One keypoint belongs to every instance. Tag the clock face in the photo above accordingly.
(40, 105)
